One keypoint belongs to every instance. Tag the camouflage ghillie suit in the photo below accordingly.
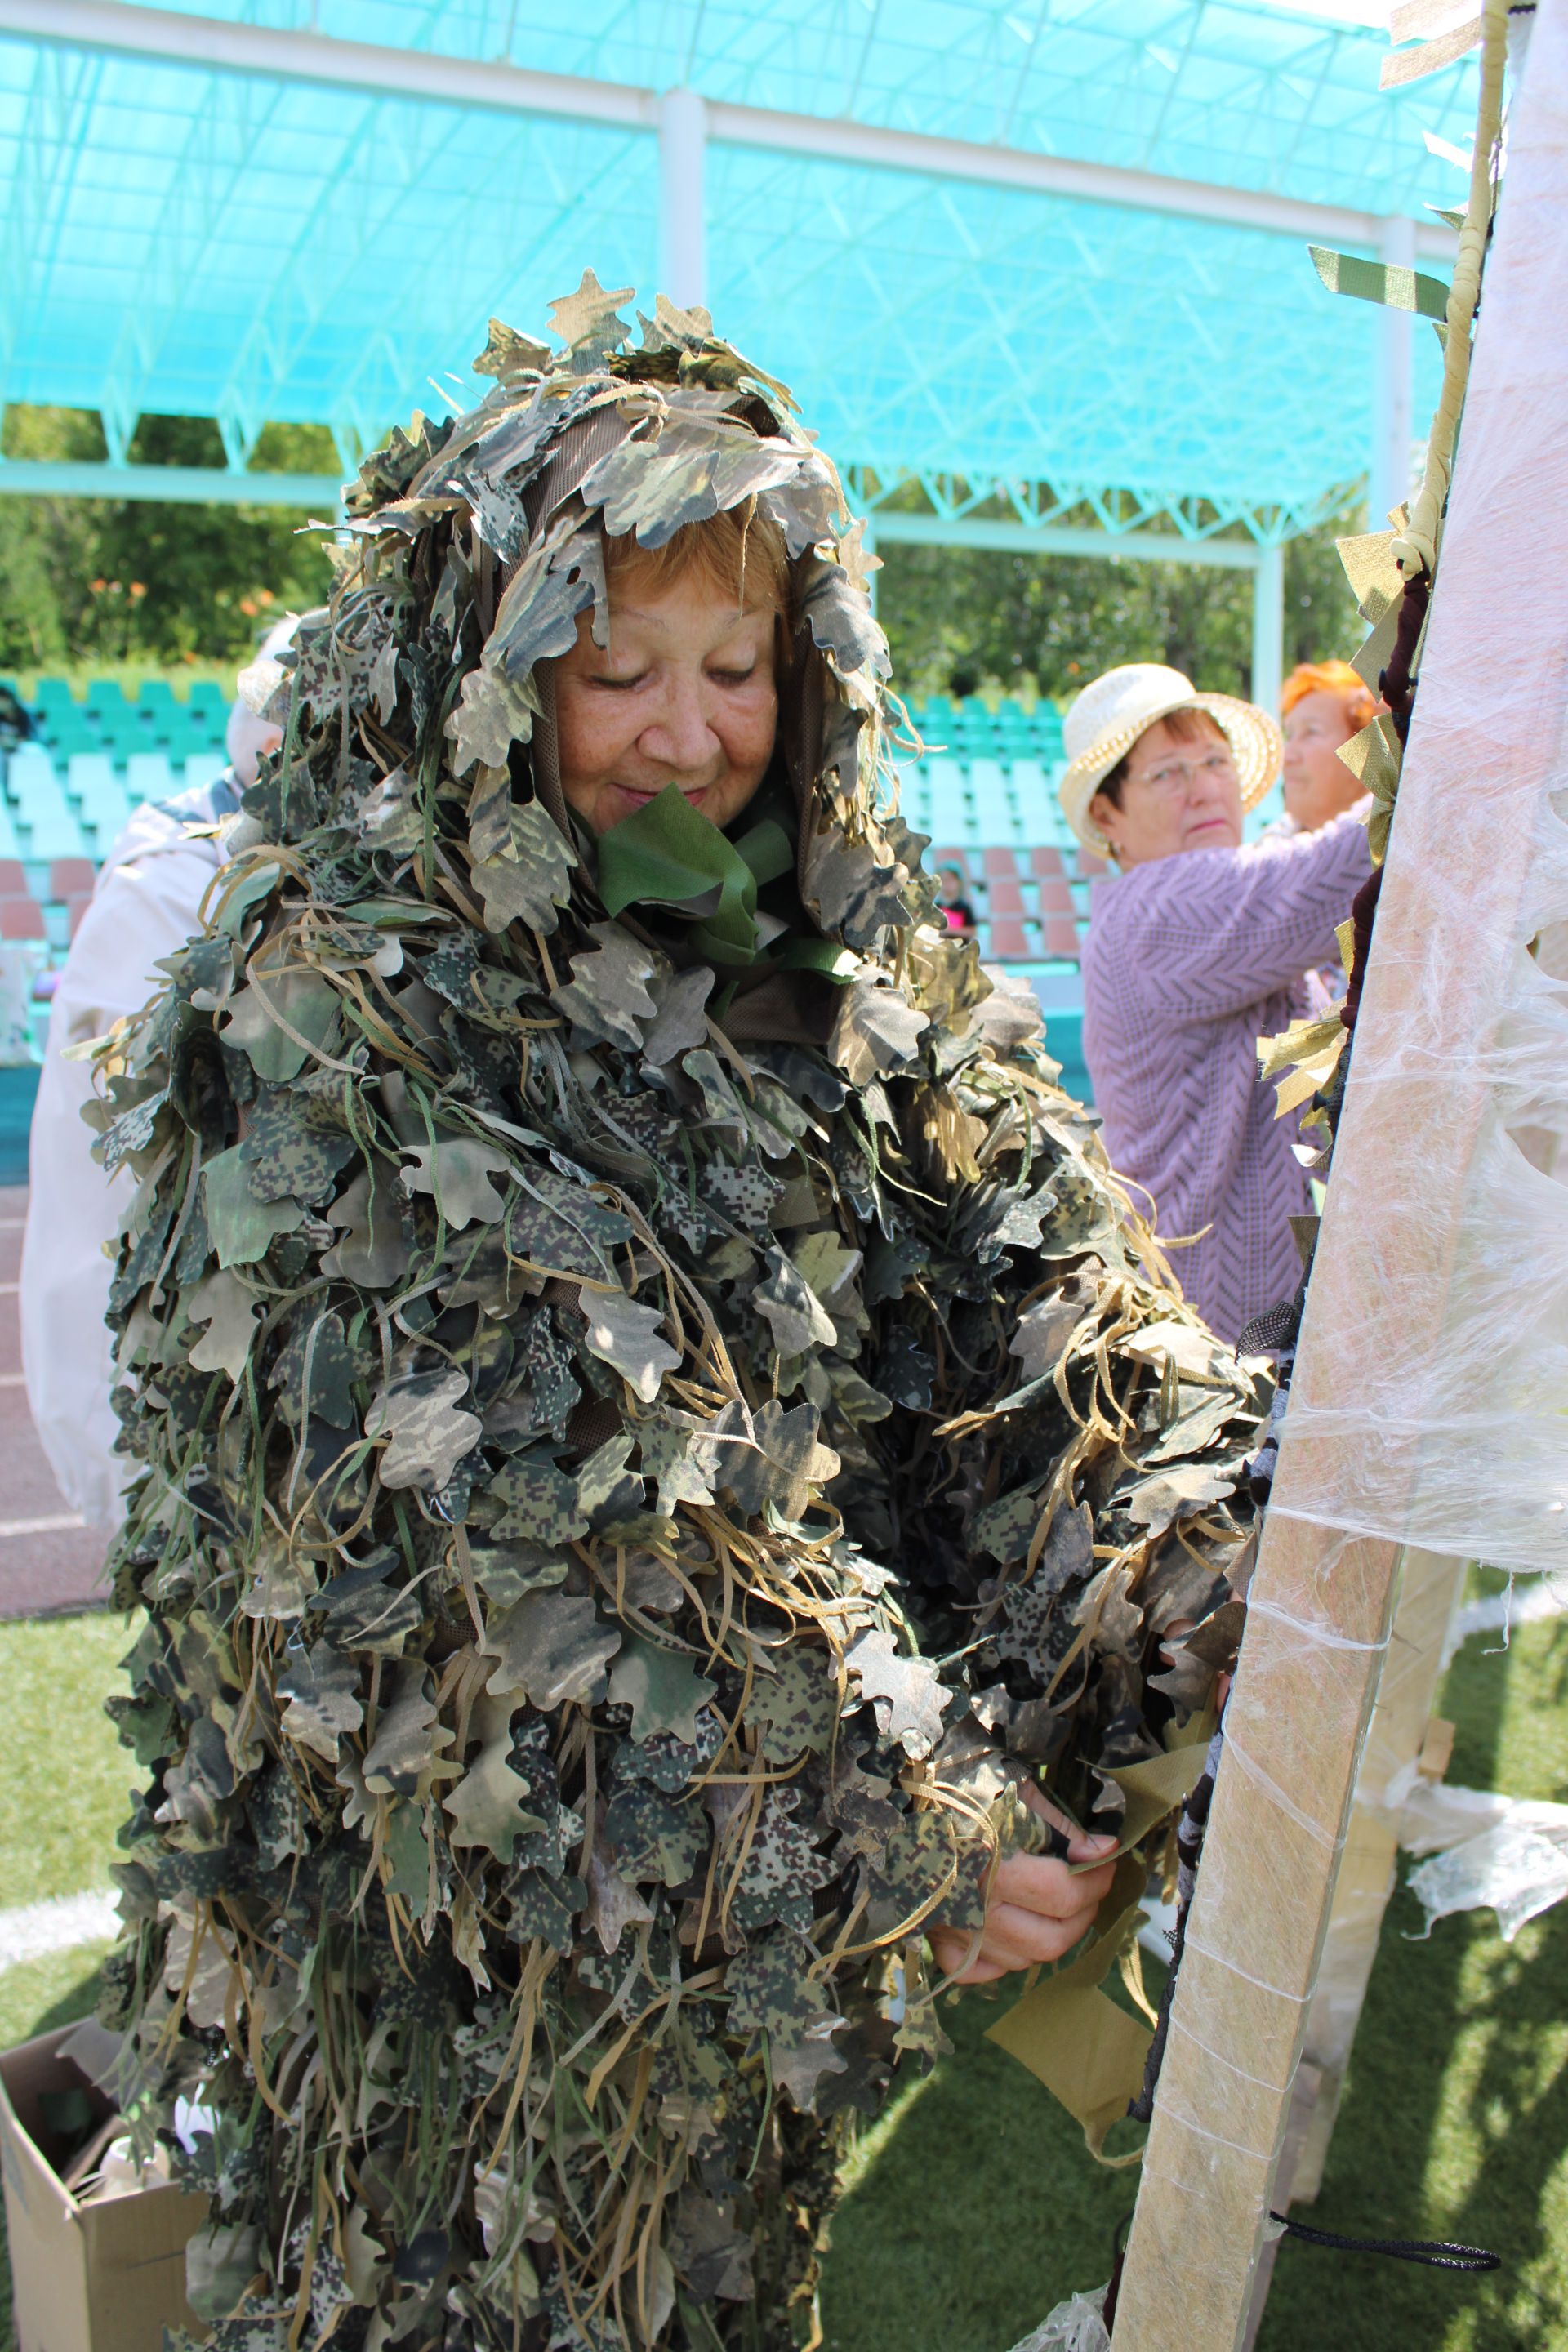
(646, 1441)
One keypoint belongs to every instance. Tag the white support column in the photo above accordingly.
(1393, 389)
(1268, 628)
(682, 145)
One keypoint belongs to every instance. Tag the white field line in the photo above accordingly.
(37, 1929)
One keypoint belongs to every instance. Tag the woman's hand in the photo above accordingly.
(1036, 1910)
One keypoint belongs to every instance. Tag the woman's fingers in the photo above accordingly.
(1036, 1882)
(1081, 1847)
(948, 1948)
(1038, 1910)
(1013, 1938)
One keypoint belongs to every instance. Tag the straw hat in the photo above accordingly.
(1109, 716)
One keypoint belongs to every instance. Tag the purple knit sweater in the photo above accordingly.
(1189, 960)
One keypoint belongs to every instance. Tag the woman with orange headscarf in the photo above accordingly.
(1322, 705)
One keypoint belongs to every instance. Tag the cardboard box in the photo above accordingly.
(105, 2276)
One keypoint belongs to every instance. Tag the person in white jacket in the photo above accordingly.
(146, 903)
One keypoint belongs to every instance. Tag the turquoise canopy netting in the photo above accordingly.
(184, 239)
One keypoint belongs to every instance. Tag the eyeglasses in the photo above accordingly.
(1173, 776)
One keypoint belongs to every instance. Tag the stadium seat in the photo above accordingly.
(1056, 897)
(28, 770)
(1008, 941)
(41, 806)
(1001, 865)
(205, 767)
(72, 877)
(209, 704)
(149, 777)
(108, 812)
(963, 858)
(1031, 791)
(1061, 938)
(77, 909)
(1046, 865)
(88, 773)
(13, 879)
(22, 919)
(996, 812)
(1004, 895)
(948, 808)
(159, 705)
(914, 797)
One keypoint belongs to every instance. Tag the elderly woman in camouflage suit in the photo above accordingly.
(660, 1436)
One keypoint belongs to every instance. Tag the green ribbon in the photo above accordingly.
(669, 855)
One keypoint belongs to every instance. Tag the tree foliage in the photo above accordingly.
(107, 580)
(959, 617)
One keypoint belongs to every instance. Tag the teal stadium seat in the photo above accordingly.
(951, 818)
(38, 798)
(149, 777)
(202, 768)
(105, 803)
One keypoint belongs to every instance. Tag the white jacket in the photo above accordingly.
(147, 902)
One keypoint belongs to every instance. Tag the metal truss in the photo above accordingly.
(1034, 260)
(1091, 514)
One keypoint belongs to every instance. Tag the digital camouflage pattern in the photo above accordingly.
(638, 1459)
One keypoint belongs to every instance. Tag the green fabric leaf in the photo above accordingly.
(229, 1307)
(242, 1227)
(1380, 281)
(662, 1687)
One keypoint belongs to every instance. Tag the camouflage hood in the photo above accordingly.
(634, 1475)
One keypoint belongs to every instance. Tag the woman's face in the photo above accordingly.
(1317, 784)
(684, 693)
(1179, 793)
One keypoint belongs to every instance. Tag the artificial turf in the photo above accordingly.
(972, 2207)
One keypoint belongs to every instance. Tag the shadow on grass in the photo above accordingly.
(1455, 2120)
(977, 2209)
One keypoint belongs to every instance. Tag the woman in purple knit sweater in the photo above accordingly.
(1198, 947)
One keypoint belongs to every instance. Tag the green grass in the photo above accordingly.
(972, 2207)
(63, 1775)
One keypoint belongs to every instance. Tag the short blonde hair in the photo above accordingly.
(741, 551)
(1360, 705)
